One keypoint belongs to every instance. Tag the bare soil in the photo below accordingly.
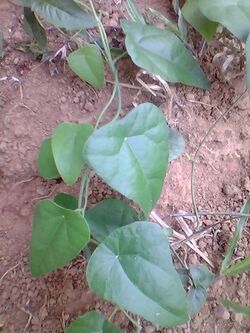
(33, 102)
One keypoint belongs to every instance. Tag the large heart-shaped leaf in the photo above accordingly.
(63, 14)
(133, 268)
(109, 215)
(176, 144)
(92, 322)
(131, 154)
(58, 235)
(192, 13)
(33, 27)
(161, 52)
(233, 14)
(87, 63)
(67, 143)
(46, 163)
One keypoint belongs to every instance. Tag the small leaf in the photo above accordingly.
(87, 63)
(192, 13)
(63, 14)
(237, 234)
(201, 276)
(66, 201)
(176, 144)
(68, 140)
(248, 61)
(92, 322)
(58, 235)
(196, 299)
(107, 216)
(233, 14)
(133, 268)
(34, 28)
(236, 308)
(131, 154)
(46, 163)
(240, 267)
(161, 52)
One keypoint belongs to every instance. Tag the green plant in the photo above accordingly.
(132, 265)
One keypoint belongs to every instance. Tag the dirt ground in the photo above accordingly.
(33, 102)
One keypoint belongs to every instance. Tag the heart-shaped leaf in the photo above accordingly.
(133, 268)
(46, 163)
(192, 13)
(196, 299)
(68, 140)
(161, 52)
(66, 201)
(63, 14)
(58, 235)
(131, 154)
(233, 14)
(33, 27)
(109, 215)
(176, 144)
(87, 63)
(92, 322)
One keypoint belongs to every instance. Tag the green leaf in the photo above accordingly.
(161, 52)
(63, 14)
(240, 267)
(92, 322)
(176, 144)
(33, 27)
(68, 140)
(192, 13)
(131, 154)
(66, 201)
(109, 215)
(133, 268)
(196, 299)
(58, 235)
(134, 11)
(248, 61)
(235, 307)
(46, 163)
(87, 63)
(237, 234)
(233, 14)
(201, 276)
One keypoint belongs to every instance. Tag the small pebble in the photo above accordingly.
(221, 312)
(63, 99)
(89, 107)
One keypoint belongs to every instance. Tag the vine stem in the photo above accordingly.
(83, 181)
(113, 313)
(225, 113)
